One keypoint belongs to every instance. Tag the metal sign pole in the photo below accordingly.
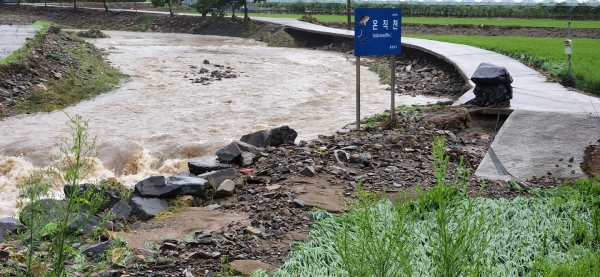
(357, 93)
(569, 37)
(377, 32)
(393, 73)
(348, 7)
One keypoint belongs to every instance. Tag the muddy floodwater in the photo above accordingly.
(159, 120)
(12, 37)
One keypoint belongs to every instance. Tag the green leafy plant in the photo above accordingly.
(58, 220)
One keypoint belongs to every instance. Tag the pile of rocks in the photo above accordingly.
(208, 76)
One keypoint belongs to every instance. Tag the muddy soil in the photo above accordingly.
(254, 227)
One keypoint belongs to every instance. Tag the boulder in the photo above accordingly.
(225, 189)
(258, 138)
(246, 147)
(42, 212)
(120, 211)
(80, 223)
(217, 177)
(112, 197)
(274, 137)
(156, 186)
(230, 153)
(201, 167)
(281, 135)
(147, 208)
(96, 251)
(9, 226)
(190, 184)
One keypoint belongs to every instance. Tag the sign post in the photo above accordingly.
(376, 32)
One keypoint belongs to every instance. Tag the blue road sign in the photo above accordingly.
(377, 31)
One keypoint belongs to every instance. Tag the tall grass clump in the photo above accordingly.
(446, 233)
(52, 223)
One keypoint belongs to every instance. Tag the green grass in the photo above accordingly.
(544, 53)
(93, 77)
(447, 21)
(446, 233)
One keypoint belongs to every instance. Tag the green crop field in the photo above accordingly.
(544, 53)
(446, 21)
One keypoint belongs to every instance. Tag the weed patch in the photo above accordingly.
(446, 233)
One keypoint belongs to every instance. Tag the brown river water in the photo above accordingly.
(159, 120)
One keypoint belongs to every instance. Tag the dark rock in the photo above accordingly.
(97, 250)
(230, 153)
(217, 177)
(80, 223)
(361, 158)
(4, 254)
(445, 102)
(207, 241)
(112, 197)
(109, 273)
(147, 208)
(168, 246)
(225, 189)
(246, 147)
(283, 170)
(281, 135)
(190, 184)
(8, 226)
(215, 254)
(258, 138)
(156, 186)
(42, 211)
(308, 171)
(201, 167)
(274, 137)
(199, 255)
(120, 211)
(200, 235)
